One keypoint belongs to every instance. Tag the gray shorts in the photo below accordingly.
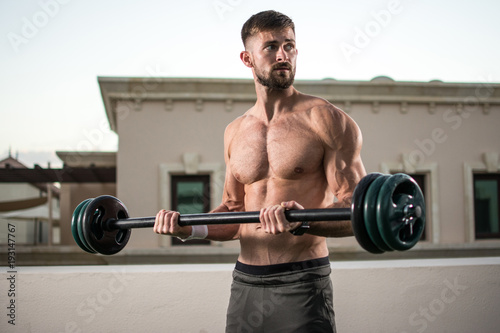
(292, 297)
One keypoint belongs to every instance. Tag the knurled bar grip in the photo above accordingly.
(327, 214)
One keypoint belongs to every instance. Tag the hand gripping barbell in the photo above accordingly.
(387, 213)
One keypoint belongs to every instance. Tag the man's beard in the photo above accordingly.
(277, 80)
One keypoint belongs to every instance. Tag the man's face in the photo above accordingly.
(273, 58)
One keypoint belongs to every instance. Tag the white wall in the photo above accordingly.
(454, 295)
(18, 191)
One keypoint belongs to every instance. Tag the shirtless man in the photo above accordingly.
(289, 151)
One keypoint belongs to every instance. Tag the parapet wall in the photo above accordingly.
(435, 295)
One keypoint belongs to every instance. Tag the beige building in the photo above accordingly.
(171, 156)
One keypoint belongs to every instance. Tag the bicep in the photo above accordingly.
(234, 192)
(232, 201)
(343, 165)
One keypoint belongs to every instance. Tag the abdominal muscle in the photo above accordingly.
(261, 248)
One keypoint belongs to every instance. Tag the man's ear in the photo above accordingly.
(246, 58)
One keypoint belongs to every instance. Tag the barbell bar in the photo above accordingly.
(328, 214)
(102, 225)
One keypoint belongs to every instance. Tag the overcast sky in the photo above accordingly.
(52, 52)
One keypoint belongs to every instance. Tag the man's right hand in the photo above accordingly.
(166, 223)
(273, 220)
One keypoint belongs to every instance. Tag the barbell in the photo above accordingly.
(387, 214)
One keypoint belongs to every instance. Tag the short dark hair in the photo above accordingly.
(269, 20)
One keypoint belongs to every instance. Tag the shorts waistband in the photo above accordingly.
(281, 268)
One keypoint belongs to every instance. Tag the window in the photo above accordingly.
(486, 203)
(190, 195)
(420, 180)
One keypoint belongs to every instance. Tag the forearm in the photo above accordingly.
(332, 228)
(223, 232)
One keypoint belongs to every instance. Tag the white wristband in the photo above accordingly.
(198, 232)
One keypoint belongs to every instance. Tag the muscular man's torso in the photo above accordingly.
(277, 161)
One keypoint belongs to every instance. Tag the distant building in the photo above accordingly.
(32, 207)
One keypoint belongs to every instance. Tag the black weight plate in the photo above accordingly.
(80, 227)
(357, 219)
(401, 228)
(74, 226)
(370, 213)
(95, 215)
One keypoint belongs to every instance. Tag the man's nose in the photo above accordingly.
(281, 55)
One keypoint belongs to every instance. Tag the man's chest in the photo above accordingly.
(285, 152)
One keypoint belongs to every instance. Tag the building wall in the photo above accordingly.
(18, 191)
(448, 295)
(444, 139)
(438, 129)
